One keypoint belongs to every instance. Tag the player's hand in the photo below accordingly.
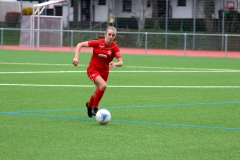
(75, 62)
(111, 64)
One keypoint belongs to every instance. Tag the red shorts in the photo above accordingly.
(93, 73)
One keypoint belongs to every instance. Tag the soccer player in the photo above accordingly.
(105, 49)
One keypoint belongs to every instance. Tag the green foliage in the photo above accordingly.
(128, 23)
(11, 37)
(173, 24)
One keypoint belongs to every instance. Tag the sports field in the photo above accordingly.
(163, 107)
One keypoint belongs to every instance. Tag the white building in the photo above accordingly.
(102, 9)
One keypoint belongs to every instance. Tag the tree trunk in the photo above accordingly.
(208, 11)
(75, 11)
(155, 14)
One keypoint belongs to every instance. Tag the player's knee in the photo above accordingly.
(103, 86)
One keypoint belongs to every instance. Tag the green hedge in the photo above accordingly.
(173, 24)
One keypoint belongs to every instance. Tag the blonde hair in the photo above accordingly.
(112, 28)
(99, 36)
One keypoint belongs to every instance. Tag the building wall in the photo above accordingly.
(136, 9)
(101, 11)
(218, 6)
(188, 10)
(8, 7)
(118, 9)
(12, 6)
(182, 11)
(65, 14)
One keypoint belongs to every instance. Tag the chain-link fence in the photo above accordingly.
(145, 40)
(158, 24)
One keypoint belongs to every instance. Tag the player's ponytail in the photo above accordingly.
(99, 36)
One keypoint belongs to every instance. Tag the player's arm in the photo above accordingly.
(78, 49)
(119, 63)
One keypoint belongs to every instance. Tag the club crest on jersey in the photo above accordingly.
(109, 52)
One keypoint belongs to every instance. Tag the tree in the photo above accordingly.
(140, 13)
(75, 11)
(209, 6)
(155, 14)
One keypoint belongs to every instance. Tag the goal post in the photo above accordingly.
(44, 30)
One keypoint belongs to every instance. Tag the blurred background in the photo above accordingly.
(160, 24)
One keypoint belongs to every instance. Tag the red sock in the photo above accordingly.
(97, 98)
(90, 102)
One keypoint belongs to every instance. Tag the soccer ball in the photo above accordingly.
(103, 116)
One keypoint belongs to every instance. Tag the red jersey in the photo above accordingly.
(103, 54)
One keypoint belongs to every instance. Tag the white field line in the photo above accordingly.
(143, 67)
(179, 68)
(41, 72)
(52, 72)
(38, 64)
(116, 86)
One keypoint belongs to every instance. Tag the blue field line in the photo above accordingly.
(177, 125)
(173, 105)
(128, 121)
(48, 116)
(128, 107)
(31, 113)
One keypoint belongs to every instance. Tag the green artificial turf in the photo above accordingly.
(162, 107)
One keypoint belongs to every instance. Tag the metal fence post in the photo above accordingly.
(71, 40)
(146, 39)
(185, 43)
(36, 38)
(226, 44)
(2, 37)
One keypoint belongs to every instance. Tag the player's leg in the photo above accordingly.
(101, 85)
(92, 74)
(89, 109)
(89, 104)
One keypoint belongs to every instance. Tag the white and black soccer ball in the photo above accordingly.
(103, 116)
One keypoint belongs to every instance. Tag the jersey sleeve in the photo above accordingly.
(117, 52)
